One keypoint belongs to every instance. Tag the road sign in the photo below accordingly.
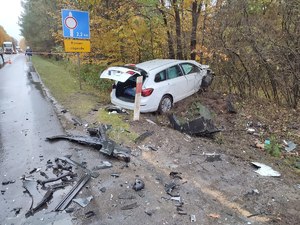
(72, 45)
(75, 24)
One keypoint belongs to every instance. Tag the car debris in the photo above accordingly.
(6, 182)
(70, 174)
(89, 214)
(213, 158)
(289, 146)
(103, 165)
(105, 146)
(265, 170)
(175, 175)
(83, 202)
(193, 218)
(77, 121)
(130, 206)
(138, 185)
(68, 198)
(198, 127)
(143, 136)
(115, 109)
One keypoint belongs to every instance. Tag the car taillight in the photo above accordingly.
(147, 92)
(130, 72)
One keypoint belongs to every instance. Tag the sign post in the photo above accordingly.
(137, 101)
(76, 29)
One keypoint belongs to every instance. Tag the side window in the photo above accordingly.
(189, 68)
(174, 72)
(161, 76)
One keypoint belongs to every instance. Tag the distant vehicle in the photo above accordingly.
(165, 81)
(8, 47)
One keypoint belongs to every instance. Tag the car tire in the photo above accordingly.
(165, 105)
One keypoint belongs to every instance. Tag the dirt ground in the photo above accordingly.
(197, 180)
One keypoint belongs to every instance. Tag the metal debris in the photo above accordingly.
(265, 170)
(289, 146)
(138, 185)
(44, 200)
(68, 198)
(83, 202)
(198, 127)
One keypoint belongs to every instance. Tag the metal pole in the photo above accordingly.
(79, 77)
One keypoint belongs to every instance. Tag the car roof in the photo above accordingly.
(156, 63)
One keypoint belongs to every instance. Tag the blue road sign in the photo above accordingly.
(75, 24)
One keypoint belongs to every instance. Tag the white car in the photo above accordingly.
(165, 82)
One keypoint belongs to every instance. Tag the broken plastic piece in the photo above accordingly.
(143, 136)
(138, 185)
(193, 218)
(289, 146)
(130, 206)
(198, 127)
(103, 165)
(265, 170)
(83, 202)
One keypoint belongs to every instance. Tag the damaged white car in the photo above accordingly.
(165, 82)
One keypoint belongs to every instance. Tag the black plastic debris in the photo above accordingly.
(89, 214)
(213, 158)
(104, 145)
(73, 192)
(170, 187)
(138, 185)
(198, 127)
(130, 206)
(115, 175)
(16, 210)
(143, 136)
(43, 182)
(103, 189)
(6, 182)
(175, 175)
(126, 195)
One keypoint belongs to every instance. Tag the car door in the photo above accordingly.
(193, 76)
(177, 83)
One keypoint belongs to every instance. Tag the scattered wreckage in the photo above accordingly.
(99, 141)
(198, 127)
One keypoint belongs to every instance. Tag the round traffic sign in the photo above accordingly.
(71, 22)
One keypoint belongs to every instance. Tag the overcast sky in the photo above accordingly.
(9, 14)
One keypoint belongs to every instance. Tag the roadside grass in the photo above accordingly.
(61, 80)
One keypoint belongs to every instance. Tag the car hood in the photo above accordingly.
(118, 73)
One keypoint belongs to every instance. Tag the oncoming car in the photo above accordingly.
(165, 82)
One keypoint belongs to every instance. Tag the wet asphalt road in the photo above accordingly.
(26, 119)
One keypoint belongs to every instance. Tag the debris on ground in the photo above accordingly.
(103, 144)
(103, 165)
(198, 127)
(73, 192)
(289, 146)
(6, 182)
(89, 214)
(138, 185)
(213, 158)
(115, 109)
(130, 206)
(193, 218)
(214, 215)
(143, 136)
(265, 170)
(83, 202)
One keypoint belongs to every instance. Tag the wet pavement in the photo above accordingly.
(26, 119)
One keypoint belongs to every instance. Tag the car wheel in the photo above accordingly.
(165, 104)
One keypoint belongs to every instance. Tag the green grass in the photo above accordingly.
(61, 79)
(64, 86)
